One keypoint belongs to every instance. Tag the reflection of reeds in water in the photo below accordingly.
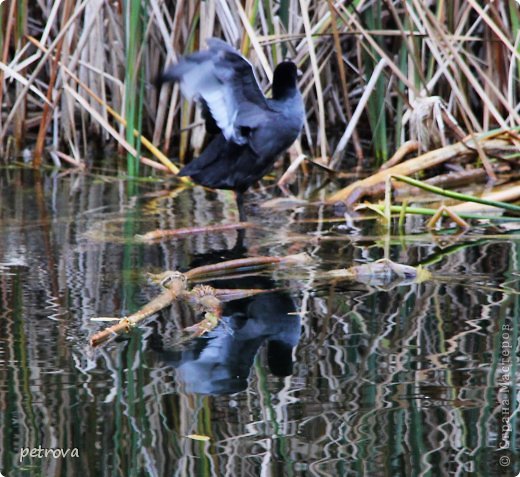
(400, 379)
(390, 54)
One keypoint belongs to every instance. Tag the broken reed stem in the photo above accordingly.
(230, 294)
(160, 234)
(443, 210)
(251, 262)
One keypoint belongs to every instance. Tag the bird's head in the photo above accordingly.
(285, 80)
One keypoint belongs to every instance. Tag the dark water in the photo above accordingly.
(320, 377)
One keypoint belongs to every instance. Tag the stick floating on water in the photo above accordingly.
(203, 298)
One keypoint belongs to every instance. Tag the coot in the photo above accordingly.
(251, 130)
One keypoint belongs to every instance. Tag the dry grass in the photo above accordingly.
(66, 65)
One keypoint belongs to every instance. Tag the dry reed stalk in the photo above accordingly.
(51, 97)
(5, 51)
(21, 95)
(446, 59)
(166, 162)
(446, 181)
(344, 82)
(437, 30)
(304, 5)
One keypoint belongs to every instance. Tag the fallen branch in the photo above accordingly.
(203, 298)
(175, 287)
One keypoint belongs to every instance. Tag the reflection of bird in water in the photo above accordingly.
(220, 362)
(251, 130)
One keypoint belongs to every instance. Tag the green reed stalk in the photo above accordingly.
(514, 14)
(134, 35)
(269, 15)
(252, 16)
(376, 102)
(397, 209)
(283, 13)
(457, 195)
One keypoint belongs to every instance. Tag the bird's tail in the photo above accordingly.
(208, 169)
(167, 76)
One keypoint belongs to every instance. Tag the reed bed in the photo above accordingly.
(79, 76)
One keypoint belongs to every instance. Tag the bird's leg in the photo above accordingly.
(239, 245)
(240, 204)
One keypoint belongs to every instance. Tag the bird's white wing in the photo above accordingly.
(224, 79)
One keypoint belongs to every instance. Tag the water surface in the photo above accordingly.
(318, 377)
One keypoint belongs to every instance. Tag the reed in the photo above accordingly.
(133, 99)
(465, 52)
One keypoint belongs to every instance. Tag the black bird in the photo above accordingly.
(252, 130)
